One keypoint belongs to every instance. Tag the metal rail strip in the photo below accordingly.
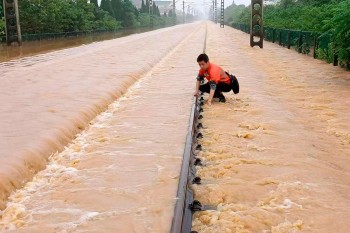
(185, 204)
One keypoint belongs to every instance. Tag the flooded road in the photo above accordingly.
(48, 99)
(31, 48)
(121, 173)
(278, 154)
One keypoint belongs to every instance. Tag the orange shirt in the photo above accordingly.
(215, 74)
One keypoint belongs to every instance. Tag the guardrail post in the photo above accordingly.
(315, 45)
(300, 42)
(288, 39)
(335, 55)
(280, 37)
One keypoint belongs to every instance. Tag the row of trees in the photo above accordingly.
(146, 9)
(322, 16)
(54, 16)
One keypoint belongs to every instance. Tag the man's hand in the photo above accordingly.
(209, 103)
(211, 95)
(196, 93)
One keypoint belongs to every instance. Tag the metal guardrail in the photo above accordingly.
(320, 45)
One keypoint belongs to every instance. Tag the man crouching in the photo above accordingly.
(218, 80)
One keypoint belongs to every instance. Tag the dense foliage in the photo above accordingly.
(323, 16)
(55, 16)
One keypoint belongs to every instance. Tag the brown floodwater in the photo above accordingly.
(30, 48)
(121, 173)
(277, 156)
(49, 98)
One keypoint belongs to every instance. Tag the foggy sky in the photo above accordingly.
(227, 2)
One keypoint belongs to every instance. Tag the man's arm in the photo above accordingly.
(198, 83)
(211, 95)
(212, 91)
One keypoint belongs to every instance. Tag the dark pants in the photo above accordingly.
(220, 87)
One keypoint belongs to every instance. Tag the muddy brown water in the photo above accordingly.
(121, 174)
(276, 155)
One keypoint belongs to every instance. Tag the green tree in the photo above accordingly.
(2, 22)
(94, 2)
(128, 14)
(107, 6)
(1, 9)
(339, 27)
(147, 6)
(143, 7)
(326, 17)
(55, 16)
(117, 9)
(286, 3)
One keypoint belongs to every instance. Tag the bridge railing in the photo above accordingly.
(318, 45)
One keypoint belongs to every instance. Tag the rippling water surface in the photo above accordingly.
(121, 173)
(277, 155)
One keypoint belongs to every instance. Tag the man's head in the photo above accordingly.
(203, 61)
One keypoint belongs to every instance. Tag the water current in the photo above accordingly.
(120, 174)
(277, 155)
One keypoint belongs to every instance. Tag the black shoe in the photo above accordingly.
(218, 95)
(222, 98)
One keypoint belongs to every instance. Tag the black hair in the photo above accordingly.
(203, 57)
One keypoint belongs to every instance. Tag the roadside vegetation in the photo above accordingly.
(57, 16)
(325, 17)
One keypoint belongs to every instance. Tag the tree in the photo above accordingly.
(147, 6)
(154, 8)
(158, 12)
(117, 9)
(339, 27)
(2, 23)
(142, 6)
(56, 16)
(1, 10)
(286, 3)
(94, 2)
(128, 14)
(106, 6)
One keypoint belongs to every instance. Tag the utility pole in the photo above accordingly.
(216, 11)
(12, 26)
(183, 11)
(213, 11)
(150, 11)
(222, 18)
(174, 12)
